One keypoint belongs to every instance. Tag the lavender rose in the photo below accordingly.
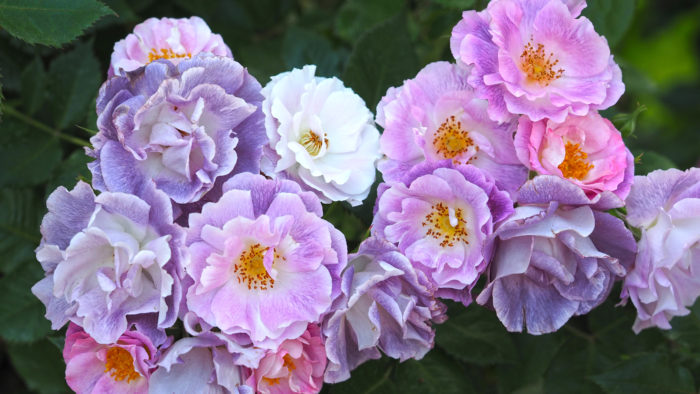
(386, 305)
(111, 261)
(184, 126)
(554, 262)
(665, 280)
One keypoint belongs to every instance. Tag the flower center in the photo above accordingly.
(165, 54)
(289, 363)
(574, 164)
(250, 269)
(446, 224)
(451, 140)
(312, 142)
(120, 362)
(538, 66)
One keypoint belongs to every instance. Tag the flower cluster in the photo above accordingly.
(204, 263)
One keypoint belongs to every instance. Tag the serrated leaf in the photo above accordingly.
(25, 160)
(41, 366)
(474, 335)
(74, 77)
(357, 16)
(646, 373)
(51, 23)
(33, 86)
(70, 171)
(19, 227)
(21, 313)
(382, 58)
(610, 18)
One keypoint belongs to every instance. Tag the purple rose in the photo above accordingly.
(186, 126)
(111, 261)
(554, 262)
(386, 305)
(665, 280)
(441, 216)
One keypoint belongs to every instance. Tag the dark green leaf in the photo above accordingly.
(649, 161)
(382, 58)
(41, 365)
(435, 373)
(21, 313)
(357, 16)
(346, 222)
(571, 368)
(457, 4)
(627, 123)
(33, 86)
(74, 77)
(53, 22)
(475, 335)
(535, 354)
(19, 227)
(25, 159)
(646, 373)
(372, 377)
(306, 47)
(71, 170)
(610, 18)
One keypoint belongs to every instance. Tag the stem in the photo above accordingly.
(40, 126)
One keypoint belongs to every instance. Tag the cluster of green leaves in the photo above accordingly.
(54, 56)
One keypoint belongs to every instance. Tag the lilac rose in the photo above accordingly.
(665, 280)
(386, 305)
(186, 126)
(111, 261)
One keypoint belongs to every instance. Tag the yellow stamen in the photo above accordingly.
(452, 140)
(121, 364)
(166, 54)
(289, 363)
(538, 66)
(312, 142)
(446, 225)
(250, 270)
(574, 164)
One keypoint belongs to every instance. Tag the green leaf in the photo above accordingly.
(51, 23)
(646, 373)
(74, 77)
(435, 373)
(382, 58)
(535, 355)
(474, 335)
(33, 86)
(41, 366)
(372, 377)
(357, 16)
(71, 170)
(610, 18)
(21, 312)
(25, 160)
(303, 47)
(19, 227)
(649, 161)
(349, 224)
(457, 4)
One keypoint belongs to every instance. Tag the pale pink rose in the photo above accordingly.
(586, 150)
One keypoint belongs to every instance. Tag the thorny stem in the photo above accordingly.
(42, 127)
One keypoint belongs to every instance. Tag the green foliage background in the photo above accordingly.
(48, 115)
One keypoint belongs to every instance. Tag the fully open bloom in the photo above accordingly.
(386, 304)
(665, 280)
(321, 135)
(437, 116)
(536, 58)
(442, 218)
(586, 150)
(295, 367)
(181, 125)
(554, 262)
(110, 261)
(121, 367)
(264, 263)
(165, 38)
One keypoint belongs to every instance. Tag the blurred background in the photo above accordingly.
(48, 116)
